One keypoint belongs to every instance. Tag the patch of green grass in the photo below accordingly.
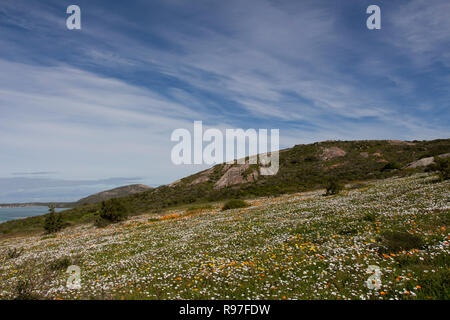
(370, 217)
(199, 207)
(396, 241)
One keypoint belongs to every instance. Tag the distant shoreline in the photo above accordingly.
(37, 204)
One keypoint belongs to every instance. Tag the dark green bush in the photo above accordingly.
(311, 159)
(391, 166)
(113, 211)
(53, 221)
(234, 204)
(199, 207)
(24, 290)
(13, 253)
(396, 241)
(443, 167)
(348, 231)
(333, 187)
(99, 222)
(370, 217)
(60, 264)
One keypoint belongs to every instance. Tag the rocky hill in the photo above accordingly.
(113, 193)
(305, 167)
(302, 168)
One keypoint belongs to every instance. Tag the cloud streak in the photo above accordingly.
(20, 190)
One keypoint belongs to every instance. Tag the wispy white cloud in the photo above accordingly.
(85, 125)
(421, 29)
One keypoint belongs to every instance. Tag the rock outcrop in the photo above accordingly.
(401, 142)
(204, 176)
(424, 162)
(333, 152)
(235, 174)
(364, 154)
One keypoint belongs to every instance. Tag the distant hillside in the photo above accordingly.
(113, 193)
(92, 199)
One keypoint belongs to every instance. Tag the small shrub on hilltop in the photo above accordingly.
(53, 221)
(234, 204)
(333, 187)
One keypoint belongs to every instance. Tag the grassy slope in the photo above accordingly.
(299, 246)
(300, 170)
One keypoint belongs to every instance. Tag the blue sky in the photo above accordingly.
(85, 110)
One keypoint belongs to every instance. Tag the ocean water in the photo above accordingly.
(7, 214)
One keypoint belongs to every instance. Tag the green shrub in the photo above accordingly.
(311, 159)
(99, 222)
(443, 167)
(199, 207)
(370, 217)
(13, 253)
(348, 231)
(299, 228)
(113, 211)
(391, 166)
(53, 221)
(234, 204)
(333, 187)
(60, 264)
(24, 290)
(396, 241)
